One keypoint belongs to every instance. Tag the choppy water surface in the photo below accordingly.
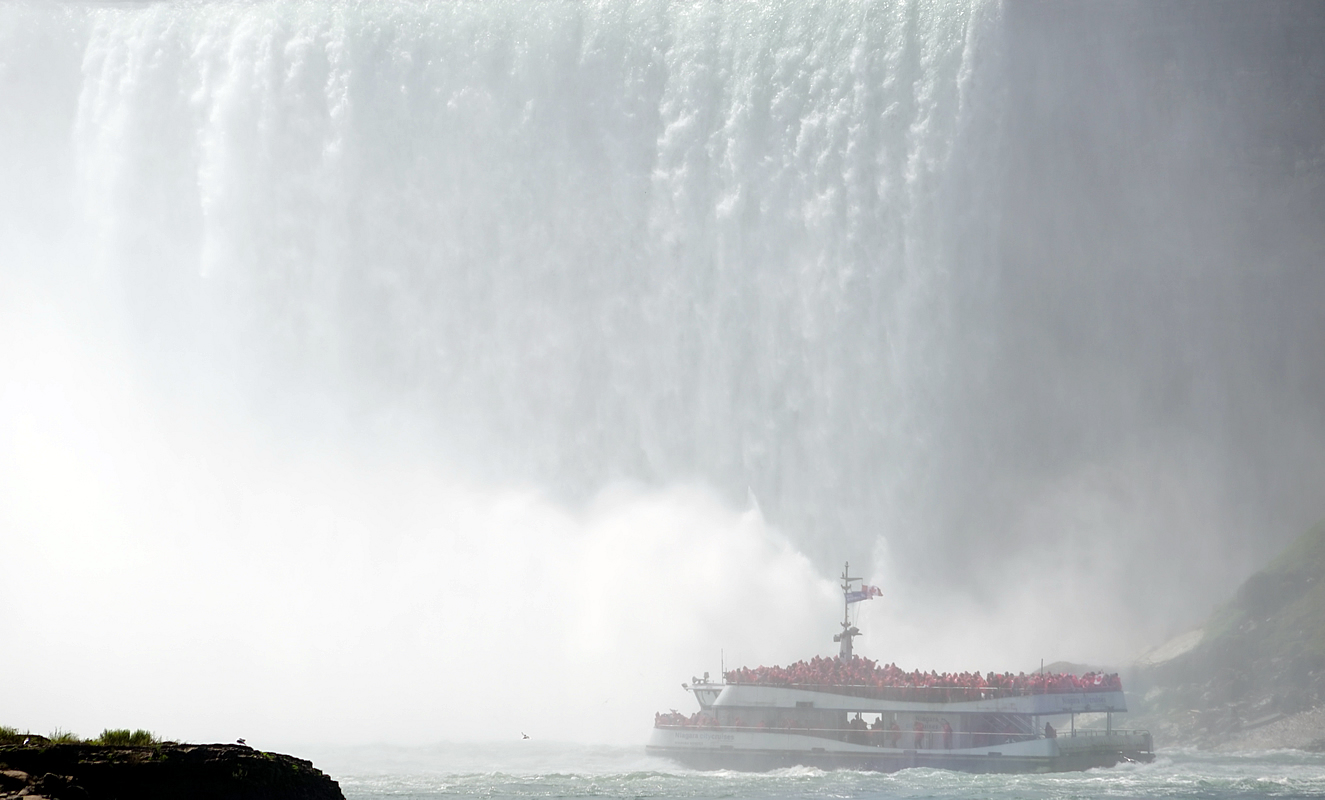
(565, 772)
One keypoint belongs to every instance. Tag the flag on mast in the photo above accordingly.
(864, 593)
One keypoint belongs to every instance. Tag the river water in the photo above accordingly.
(536, 771)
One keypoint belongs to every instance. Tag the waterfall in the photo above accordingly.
(578, 242)
(453, 336)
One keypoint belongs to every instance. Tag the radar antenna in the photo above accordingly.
(849, 631)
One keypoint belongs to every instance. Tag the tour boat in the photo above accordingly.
(848, 712)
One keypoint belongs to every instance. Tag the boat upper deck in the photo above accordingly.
(853, 680)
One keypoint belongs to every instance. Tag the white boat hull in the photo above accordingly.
(758, 750)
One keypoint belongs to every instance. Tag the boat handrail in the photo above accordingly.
(876, 731)
(1086, 732)
(947, 693)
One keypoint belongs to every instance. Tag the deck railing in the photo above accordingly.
(925, 694)
(1087, 732)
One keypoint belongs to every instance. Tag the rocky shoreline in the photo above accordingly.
(1301, 731)
(1252, 677)
(198, 771)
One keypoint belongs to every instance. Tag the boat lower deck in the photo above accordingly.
(717, 748)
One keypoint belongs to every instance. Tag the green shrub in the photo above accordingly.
(63, 737)
(123, 737)
(142, 738)
(115, 736)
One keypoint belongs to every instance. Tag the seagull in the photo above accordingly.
(241, 741)
(524, 735)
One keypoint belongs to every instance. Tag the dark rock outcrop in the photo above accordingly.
(199, 772)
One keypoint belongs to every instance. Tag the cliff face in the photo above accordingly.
(1158, 285)
(202, 772)
(1257, 661)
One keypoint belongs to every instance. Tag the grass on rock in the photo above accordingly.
(111, 737)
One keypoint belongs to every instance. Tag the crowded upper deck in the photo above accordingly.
(863, 673)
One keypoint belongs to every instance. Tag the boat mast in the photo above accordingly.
(849, 631)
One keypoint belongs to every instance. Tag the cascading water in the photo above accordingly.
(557, 245)
(580, 242)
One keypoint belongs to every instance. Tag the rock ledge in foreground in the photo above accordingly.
(197, 771)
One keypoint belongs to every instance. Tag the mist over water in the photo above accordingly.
(512, 770)
(392, 371)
